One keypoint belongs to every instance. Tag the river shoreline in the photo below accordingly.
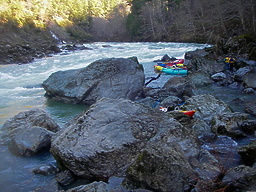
(151, 68)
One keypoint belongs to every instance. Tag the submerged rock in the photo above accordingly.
(45, 170)
(249, 91)
(112, 78)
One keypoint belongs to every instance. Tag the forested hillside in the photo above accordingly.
(191, 20)
(147, 20)
(200, 21)
(67, 18)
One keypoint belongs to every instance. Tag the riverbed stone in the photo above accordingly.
(249, 126)
(249, 80)
(219, 76)
(249, 91)
(45, 170)
(248, 153)
(200, 59)
(229, 124)
(158, 94)
(26, 52)
(210, 184)
(241, 178)
(179, 87)
(28, 142)
(162, 169)
(200, 78)
(251, 108)
(171, 101)
(95, 186)
(241, 72)
(26, 120)
(196, 53)
(206, 106)
(65, 178)
(111, 77)
(114, 133)
(203, 131)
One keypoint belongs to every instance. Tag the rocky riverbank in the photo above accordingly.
(206, 69)
(125, 139)
(21, 45)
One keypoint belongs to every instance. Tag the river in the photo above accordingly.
(21, 90)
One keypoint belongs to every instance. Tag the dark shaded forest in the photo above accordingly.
(191, 20)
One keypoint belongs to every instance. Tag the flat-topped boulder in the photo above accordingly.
(112, 78)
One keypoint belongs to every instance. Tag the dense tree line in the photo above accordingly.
(40, 11)
(135, 20)
(73, 17)
(191, 20)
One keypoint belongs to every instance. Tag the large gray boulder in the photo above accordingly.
(179, 87)
(28, 142)
(33, 117)
(115, 133)
(206, 106)
(29, 131)
(162, 168)
(112, 77)
(249, 80)
(200, 78)
(200, 59)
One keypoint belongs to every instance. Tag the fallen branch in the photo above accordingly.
(153, 78)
